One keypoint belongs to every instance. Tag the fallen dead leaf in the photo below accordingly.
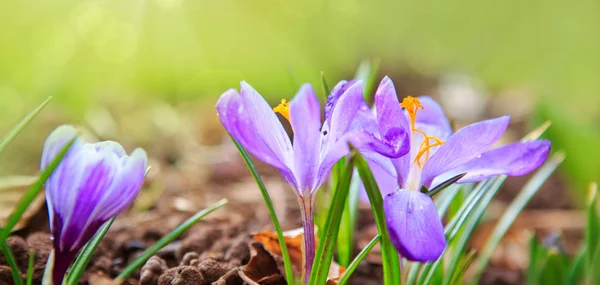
(293, 241)
(262, 267)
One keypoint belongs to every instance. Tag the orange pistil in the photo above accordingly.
(412, 105)
(284, 109)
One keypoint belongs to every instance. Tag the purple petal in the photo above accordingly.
(305, 116)
(392, 120)
(513, 160)
(386, 180)
(342, 114)
(432, 120)
(102, 186)
(335, 139)
(414, 225)
(365, 120)
(252, 122)
(466, 144)
(395, 144)
(93, 183)
(390, 116)
(124, 187)
(56, 141)
(335, 94)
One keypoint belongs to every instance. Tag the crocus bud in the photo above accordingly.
(92, 184)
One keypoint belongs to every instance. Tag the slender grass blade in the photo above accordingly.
(12, 262)
(346, 236)
(389, 256)
(329, 235)
(359, 258)
(33, 191)
(289, 273)
(86, 254)
(367, 72)
(511, 213)
(16, 130)
(30, 266)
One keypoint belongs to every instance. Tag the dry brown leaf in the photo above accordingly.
(262, 269)
(12, 189)
(335, 273)
(293, 241)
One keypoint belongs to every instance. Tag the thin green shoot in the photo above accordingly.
(444, 184)
(329, 235)
(367, 72)
(511, 213)
(30, 266)
(346, 236)
(12, 262)
(389, 256)
(324, 87)
(16, 130)
(287, 262)
(86, 254)
(358, 259)
(32, 192)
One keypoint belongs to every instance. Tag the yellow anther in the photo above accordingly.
(412, 106)
(284, 109)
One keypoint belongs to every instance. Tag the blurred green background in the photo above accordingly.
(94, 53)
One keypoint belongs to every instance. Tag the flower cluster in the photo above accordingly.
(410, 145)
(92, 184)
(436, 155)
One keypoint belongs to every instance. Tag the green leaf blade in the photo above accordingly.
(86, 254)
(330, 231)
(514, 209)
(359, 258)
(289, 273)
(32, 192)
(16, 130)
(389, 256)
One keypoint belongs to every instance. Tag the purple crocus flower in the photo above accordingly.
(92, 184)
(437, 154)
(306, 163)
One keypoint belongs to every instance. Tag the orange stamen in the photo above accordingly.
(412, 106)
(284, 109)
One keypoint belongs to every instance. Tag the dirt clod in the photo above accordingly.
(188, 275)
(152, 270)
(190, 258)
(213, 270)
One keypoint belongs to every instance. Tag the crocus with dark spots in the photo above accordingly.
(436, 155)
(93, 183)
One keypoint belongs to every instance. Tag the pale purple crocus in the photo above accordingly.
(436, 155)
(93, 183)
(306, 163)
